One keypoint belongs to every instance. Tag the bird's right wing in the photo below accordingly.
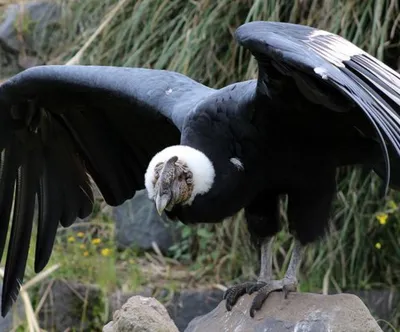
(60, 123)
(327, 70)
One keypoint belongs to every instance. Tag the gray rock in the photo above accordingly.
(109, 327)
(190, 304)
(66, 306)
(117, 299)
(383, 303)
(182, 308)
(301, 312)
(138, 224)
(141, 314)
(16, 314)
(38, 15)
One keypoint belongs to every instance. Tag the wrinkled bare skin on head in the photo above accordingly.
(173, 183)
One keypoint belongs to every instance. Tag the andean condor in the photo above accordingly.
(203, 154)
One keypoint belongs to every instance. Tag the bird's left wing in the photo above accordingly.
(327, 70)
(60, 123)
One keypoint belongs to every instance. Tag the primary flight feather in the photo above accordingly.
(203, 154)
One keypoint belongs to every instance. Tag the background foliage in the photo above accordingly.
(195, 38)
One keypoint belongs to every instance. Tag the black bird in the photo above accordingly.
(203, 154)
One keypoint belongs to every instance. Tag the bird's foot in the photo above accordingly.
(286, 285)
(263, 290)
(233, 293)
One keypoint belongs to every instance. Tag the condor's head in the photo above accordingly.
(176, 175)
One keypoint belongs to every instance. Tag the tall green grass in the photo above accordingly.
(195, 38)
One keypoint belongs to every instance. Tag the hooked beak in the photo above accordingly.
(161, 203)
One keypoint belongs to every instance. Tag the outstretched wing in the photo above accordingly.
(60, 123)
(327, 70)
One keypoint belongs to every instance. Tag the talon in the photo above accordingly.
(257, 303)
(263, 293)
(233, 294)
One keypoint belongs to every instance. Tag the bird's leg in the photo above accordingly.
(234, 293)
(287, 284)
(266, 260)
(265, 285)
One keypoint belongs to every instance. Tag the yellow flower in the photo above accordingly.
(82, 246)
(378, 245)
(96, 241)
(80, 234)
(106, 252)
(86, 253)
(71, 239)
(382, 218)
(392, 205)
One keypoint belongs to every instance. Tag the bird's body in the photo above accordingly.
(203, 154)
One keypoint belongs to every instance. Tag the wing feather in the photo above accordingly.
(8, 173)
(61, 124)
(25, 191)
(337, 65)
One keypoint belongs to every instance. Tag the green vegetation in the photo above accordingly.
(195, 38)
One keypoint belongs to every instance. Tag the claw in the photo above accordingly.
(263, 290)
(263, 293)
(233, 294)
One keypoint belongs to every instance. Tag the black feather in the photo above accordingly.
(101, 156)
(50, 209)
(85, 120)
(65, 191)
(8, 172)
(26, 189)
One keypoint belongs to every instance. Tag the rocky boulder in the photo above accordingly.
(70, 305)
(301, 312)
(29, 19)
(27, 30)
(138, 225)
(14, 316)
(184, 305)
(141, 314)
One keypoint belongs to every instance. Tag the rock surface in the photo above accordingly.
(27, 30)
(182, 308)
(189, 304)
(138, 225)
(301, 312)
(16, 314)
(66, 306)
(382, 303)
(141, 314)
(38, 14)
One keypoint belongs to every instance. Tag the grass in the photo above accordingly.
(195, 38)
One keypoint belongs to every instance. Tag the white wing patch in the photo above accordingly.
(321, 72)
(332, 48)
(168, 92)
(238, 164)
